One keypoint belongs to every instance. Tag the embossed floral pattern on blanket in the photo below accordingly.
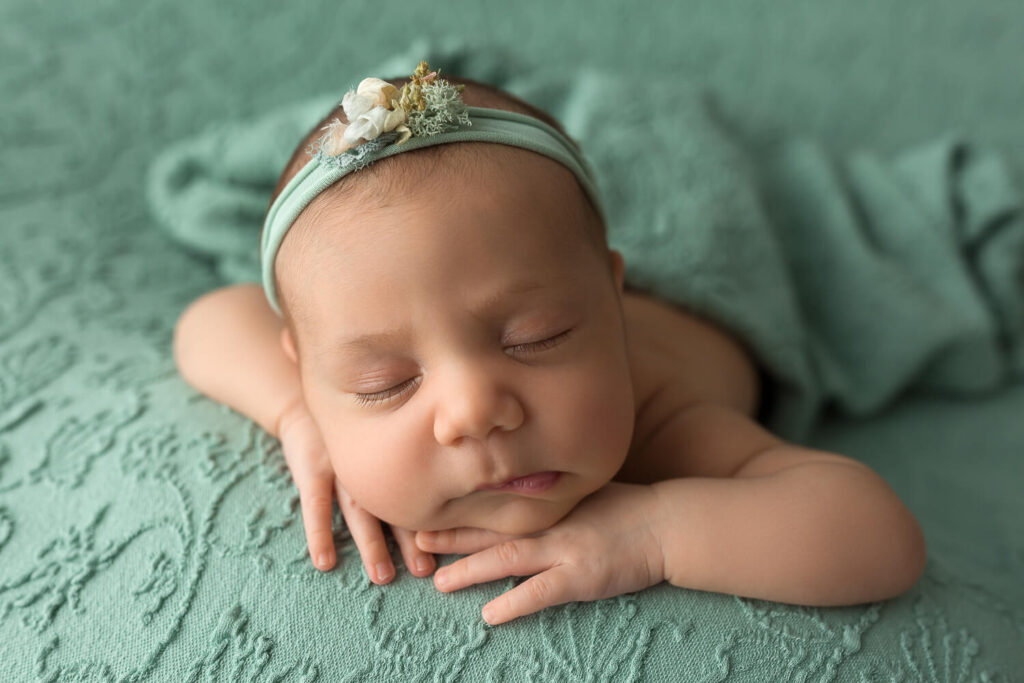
(149, 534)
(136, 512)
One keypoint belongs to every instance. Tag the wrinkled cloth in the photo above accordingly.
(850, 280)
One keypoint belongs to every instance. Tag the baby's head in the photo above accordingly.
(456, 317)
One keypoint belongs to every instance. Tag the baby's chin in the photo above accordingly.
(522, 516)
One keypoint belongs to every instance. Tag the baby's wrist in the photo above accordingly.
(294, 408)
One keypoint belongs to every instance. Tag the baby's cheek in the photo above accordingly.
(369, 457)
(376, 475)
(608, 411)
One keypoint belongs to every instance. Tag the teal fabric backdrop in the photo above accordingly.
(147, 533)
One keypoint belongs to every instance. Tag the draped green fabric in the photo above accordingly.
(837, 185)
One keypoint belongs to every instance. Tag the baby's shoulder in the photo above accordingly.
(678, 358)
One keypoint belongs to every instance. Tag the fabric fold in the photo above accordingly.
(851, 280)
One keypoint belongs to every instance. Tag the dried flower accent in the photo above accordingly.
(426, 105)
(412, 92)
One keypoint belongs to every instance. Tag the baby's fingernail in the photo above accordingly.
(441, 578)
(383, 571)
(324, 561)
(422, 563)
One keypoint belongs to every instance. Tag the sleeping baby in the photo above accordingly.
(444, 341)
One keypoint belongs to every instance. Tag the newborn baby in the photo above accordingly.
(459, 356)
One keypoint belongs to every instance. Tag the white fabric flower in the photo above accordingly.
(380, 91)
(335, 142)
(369, 111)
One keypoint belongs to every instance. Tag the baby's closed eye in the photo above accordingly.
(389, 394)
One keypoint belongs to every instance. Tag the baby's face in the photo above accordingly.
(463, 338)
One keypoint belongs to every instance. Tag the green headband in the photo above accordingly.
(484, 125)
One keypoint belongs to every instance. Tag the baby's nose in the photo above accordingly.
(473, 406)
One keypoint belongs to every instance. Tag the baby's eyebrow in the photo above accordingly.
(372, 339)
(495, 302)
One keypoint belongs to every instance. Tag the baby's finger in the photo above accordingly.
(313, 475)
(418, 563)
(368, 535)
(315, 496)
(517, 557)
(459, 541)
(553, 587)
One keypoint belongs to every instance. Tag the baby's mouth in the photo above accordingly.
(538, 482)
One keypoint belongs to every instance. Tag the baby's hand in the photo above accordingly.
(310, 466)
(604, 547)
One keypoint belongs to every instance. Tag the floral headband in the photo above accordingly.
(384, 121)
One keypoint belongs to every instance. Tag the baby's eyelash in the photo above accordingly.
(380, 396)
(399, 389)
(543, 344)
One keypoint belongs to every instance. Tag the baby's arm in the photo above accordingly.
(227, 346)
(781, 522)
(767, 520)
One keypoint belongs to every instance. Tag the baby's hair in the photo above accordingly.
(382, 177)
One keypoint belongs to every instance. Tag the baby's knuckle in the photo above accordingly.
(373, 546)
(540, 589)
(598, 591)
(323, 472)
(575, 554)
(508, 552)
(318, 502)
(322, 539)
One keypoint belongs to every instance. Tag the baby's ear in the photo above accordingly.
(288, 344)
(618, 268)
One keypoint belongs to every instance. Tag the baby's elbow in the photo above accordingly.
(905, 557)
(885, 553)
(914, 556)
(184, 347)
(180, 356)
(902, 541)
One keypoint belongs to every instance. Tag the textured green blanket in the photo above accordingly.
(147, 533)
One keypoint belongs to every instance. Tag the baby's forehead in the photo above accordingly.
(455, 166)
(464, 170)
(532, 301)
(542, 191)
